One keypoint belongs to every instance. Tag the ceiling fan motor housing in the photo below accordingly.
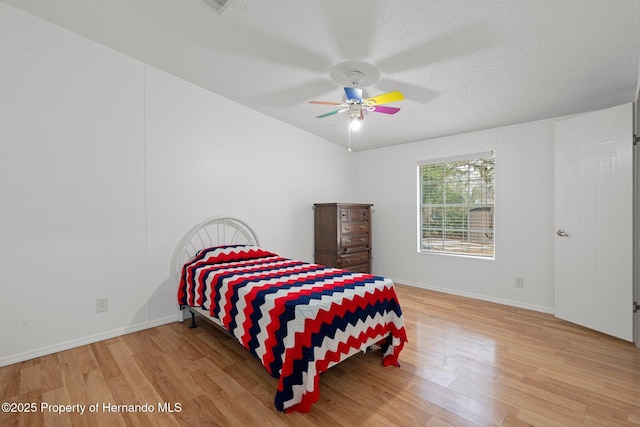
(355, 77)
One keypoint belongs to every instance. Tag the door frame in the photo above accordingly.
(636, 222)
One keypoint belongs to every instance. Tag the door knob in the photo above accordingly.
(562, 233)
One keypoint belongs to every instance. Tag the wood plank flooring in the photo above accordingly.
(467, 363)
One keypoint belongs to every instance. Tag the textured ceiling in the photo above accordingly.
(462, 65)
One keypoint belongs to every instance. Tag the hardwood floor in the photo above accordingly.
(467, 363)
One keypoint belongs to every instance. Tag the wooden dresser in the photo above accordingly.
(343, 235)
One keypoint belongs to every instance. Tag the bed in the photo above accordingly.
(299, 319)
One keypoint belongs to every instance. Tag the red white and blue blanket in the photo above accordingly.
(298, 319)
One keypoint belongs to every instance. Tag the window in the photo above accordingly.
(457, 205)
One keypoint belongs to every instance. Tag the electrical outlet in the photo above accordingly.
(519, 282)
(102, 304)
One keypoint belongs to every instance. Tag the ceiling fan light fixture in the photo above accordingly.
(355, 111)
(355, 123)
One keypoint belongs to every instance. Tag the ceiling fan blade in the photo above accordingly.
(330, 113)
(384, 109)
(453, 44)
(313, 88)
(346, 21)
(414, 92)
(386, 98)
(353, 93)
(337, 104)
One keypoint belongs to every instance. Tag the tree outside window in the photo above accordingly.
(457, 206)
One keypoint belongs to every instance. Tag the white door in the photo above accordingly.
(594, 221)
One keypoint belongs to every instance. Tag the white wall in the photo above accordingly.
(524, 216)
(71, 185)
(290, 179)
(105, 163)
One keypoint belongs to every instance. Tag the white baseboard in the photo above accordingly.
(43, 351)
(511, 303)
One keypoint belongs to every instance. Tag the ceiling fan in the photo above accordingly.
(356, 101)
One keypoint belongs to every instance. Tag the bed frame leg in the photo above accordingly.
(193, 321)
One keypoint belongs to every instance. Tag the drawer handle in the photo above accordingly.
(347, 228)
(363, 227)
(347, 242)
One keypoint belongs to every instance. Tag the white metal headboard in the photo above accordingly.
(216, 231)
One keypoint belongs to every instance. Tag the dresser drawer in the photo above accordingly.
(350, 260)
(354, 214)
(354, 227)
(349, 242)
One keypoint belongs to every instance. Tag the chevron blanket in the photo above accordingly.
(298, 319)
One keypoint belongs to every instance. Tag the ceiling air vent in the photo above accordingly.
(218, 5)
